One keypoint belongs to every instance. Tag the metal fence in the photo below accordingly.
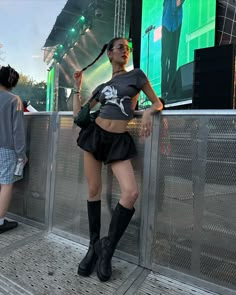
(185, 221)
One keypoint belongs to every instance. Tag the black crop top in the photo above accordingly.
(116, 95)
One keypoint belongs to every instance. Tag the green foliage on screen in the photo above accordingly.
(198, 31)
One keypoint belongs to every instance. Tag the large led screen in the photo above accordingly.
(171, 31)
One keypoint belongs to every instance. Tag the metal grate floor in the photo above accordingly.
(33, 261)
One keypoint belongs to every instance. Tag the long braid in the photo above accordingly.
(93, 62)
(107, 46)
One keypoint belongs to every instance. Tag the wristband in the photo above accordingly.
(75, 91)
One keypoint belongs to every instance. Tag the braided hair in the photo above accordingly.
(105, 47)
(8, 77)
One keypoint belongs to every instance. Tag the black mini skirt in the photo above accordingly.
(106, 146)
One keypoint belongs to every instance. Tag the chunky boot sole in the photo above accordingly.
(7, 225)
(98, 250)
(101, 277)
(88, 263)
(87, 273)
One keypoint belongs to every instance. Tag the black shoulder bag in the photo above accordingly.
(84, 117)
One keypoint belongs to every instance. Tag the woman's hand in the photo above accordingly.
(146, 125)
(78, 76)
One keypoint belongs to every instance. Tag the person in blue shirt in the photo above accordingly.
(171, 28)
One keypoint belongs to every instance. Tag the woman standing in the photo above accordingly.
(107, 141)
(12, 141)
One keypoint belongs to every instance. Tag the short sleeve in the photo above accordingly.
(96, 91)
(141, 78)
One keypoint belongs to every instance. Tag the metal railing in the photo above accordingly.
(185, 221)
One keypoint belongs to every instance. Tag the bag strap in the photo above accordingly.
(93, 97)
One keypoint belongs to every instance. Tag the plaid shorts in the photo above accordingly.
(7, 166)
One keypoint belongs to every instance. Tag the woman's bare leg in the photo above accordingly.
(5, 198)
(124, 173)
(93, 170)
(93, 174)
(121, 217)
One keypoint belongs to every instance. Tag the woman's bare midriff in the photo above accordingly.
(116, 126)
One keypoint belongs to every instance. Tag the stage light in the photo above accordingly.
(82, 18)
(56, 56)
(72, 30)
(130, 44)
(98, 12)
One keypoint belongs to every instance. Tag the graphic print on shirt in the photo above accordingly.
(112, 98)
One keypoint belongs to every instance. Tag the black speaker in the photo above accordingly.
(181, 87)
(213, 78)
(135, 30)
(184, 79)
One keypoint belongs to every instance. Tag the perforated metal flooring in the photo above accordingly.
(35, 262)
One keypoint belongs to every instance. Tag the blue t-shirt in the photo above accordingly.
(116, 95)
(172, 15)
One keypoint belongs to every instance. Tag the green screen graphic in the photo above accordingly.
(195, 20)
(50, 90)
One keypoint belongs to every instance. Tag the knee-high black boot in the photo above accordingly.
(88, 263)
(106, 246)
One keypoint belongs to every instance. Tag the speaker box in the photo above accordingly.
(213, 78)
(225, 22)
(181, 87)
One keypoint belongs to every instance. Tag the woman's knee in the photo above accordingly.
(94, 191)
(131, 195)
